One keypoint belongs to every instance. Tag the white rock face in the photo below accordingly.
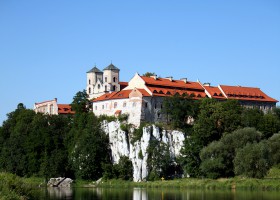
(137, 152)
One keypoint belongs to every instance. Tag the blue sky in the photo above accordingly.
(46, 47)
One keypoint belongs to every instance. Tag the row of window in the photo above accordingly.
(133, 105)
(106, 89)
(105, 80)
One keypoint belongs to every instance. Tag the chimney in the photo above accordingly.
(207, 84)
(184, 79)
(169, 78)
(154, 77)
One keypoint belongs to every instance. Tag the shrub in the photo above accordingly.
(123, 117)
(252, 161)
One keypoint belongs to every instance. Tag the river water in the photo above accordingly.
(152, 194)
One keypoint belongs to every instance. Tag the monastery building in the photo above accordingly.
(142, 97)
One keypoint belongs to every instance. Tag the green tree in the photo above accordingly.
(213, 120)
(217, 158)
(252, 160)
(90, 147)
(80, 103)
(148, 74)
(159, 160)
(251, 117)
(269, 125)
(14, 134)
(178, 109)
(276, 111)
(273, 144)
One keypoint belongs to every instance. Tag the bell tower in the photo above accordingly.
(93, 76)
(111, 78)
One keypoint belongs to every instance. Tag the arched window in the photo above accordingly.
(105, 88)
(114, 88)
(98, 86)
(114, 79)
(89, 90)
(105, 79)
(89, 81)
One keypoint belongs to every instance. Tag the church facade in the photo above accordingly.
(142, 97)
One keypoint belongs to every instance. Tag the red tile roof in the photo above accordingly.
(123, 84)
(65, 109)
(164, 82)
(158, 91)
(215, 92)
(246, 93)
(123, 94)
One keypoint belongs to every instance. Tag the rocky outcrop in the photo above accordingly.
(121, 145)
(60, 182)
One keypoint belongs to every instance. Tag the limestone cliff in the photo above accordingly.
(121, 145)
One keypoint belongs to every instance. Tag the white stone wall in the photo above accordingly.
(47, 107)
(110, 75)
(121, 145)
(130, 106)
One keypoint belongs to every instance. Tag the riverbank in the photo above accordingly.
(209, 184)
(14, 187)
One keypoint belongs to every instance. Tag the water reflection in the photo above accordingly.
(60, 193)
(152, 194)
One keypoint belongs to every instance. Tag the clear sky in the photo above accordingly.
(46, 47)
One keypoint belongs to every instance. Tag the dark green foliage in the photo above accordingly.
(269, 125)
(178, 109)
(159, 160)
(252, 160)
(13, 187)
(251, 117)
(80, 103)
(107, 118)
(33, 144)
(273, 144)
(123, 117)
(213, 120)
(123, 170)
(90, 148)
(125, 127)
(213, 161)
(148, 74)
(217, 158)
(276, 111)
(137, 133)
